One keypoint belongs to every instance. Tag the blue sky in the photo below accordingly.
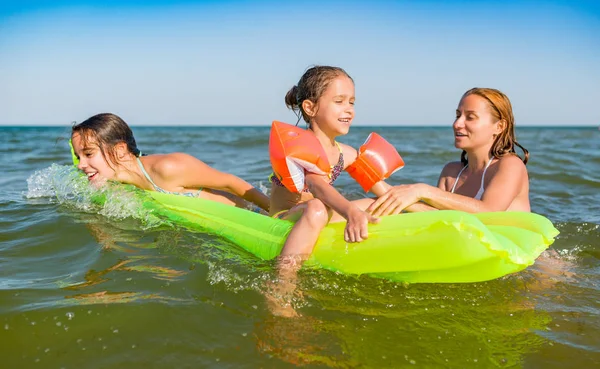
(231, 62)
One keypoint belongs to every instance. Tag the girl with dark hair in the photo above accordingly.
(106, 149)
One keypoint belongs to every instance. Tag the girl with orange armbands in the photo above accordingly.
(302, 177)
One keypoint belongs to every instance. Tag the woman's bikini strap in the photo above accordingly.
(481, 189)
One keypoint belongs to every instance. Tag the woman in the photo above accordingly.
(490, 175)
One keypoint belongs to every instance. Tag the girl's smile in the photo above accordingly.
(91, 160)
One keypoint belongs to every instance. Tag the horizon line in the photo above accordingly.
(178, 125)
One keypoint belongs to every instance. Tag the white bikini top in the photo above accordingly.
(481, 189)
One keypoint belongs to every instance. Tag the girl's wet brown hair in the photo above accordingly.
(106, 130)
(311, 86)
(501, 109)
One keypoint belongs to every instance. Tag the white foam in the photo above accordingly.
(69, 187)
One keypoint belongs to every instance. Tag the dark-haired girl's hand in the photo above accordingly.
(357, 226)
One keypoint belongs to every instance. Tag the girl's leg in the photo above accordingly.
(312, 217)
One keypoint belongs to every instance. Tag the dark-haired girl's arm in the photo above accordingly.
(189, 172)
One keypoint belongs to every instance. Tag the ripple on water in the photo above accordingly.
(104, 284)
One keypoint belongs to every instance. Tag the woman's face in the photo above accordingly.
(475, 126)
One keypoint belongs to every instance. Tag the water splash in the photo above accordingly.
(69, 187)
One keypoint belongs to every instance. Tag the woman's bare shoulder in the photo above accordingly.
(511, 161)
(451, 169)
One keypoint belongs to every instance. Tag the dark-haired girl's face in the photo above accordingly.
(91, 160)
(335, 108)
(474, 126)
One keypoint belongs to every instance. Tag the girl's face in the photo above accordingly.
(475, 126)
(335, 108)
(91, 160)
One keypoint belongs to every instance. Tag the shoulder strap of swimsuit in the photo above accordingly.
(457, 177)
(483, 175)
(341, 157)
(146, 173)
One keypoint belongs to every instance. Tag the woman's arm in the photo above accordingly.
(381, 188)
(186, 171)
(419, 207)
(501, 190)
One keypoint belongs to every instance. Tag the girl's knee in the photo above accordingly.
(316, 213)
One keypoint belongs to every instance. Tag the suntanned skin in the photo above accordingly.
(506, 181)
(175, 172)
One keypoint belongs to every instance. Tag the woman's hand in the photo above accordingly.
(357, 226)
(397, 199)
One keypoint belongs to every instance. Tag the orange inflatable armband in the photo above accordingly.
(293, 151)
(377, 160)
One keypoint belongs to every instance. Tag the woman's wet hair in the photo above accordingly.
(501, 109)
(106, 130)
(311, 86)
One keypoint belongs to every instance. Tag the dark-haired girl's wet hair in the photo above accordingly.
(311, 86)
(106, 130)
